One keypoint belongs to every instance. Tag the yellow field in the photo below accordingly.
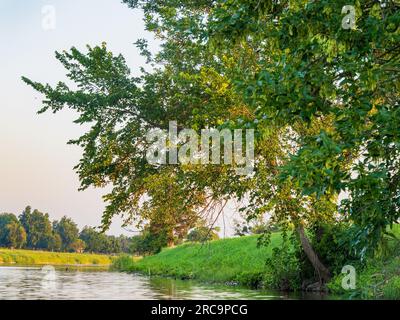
(32, 257)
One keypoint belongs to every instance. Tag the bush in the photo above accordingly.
(332, 242)
(290, 269)
(202, 234)
(122, 263)
(250, 279)
(148, 243)
(377, 277)
(283, 269)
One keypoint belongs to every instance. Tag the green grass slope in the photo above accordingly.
(235, 259)
(239, 260)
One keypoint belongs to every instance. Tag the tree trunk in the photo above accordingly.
(323, 272)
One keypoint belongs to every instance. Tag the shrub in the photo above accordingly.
(148, 243)
(250, 279)
(283, 270)
(202, 234)
(123, 263)
(332, 242)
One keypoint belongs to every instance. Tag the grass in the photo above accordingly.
(228, 260)
(31, 257)
(239, 260)
(391, 290)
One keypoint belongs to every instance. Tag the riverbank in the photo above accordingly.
(239, 261)
(32, 257)
(234, 260)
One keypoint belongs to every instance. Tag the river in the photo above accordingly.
(66, 283)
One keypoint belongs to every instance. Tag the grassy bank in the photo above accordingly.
(31, 257)
(239, 260)
(227, 260)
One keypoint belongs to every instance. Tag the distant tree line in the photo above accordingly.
(34, 230)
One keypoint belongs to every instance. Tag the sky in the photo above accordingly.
(36, 164)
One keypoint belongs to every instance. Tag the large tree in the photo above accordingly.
(312, 69)
(38, 228)
(195, 87)
(15, 235)
(68, 230)
(94, 241)
(323, 100)
(5, 219)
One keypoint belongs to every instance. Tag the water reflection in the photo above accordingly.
(99, 284)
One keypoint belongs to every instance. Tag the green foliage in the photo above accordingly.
(15, 235)
(99, 242)
(148, 243)
(324, 102)
(333, 242)
(123, 262)
(38, 228)
(314, 70)
(54, 242)
(77, 246)
(253, 225)
(283, 268)
(95, 241)
(120, 110)
(202, 234)
(35, 231)
(5, 219)
(124, 243)
(377, 277)
(68, 231)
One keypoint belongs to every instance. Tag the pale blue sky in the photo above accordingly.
(35, 162)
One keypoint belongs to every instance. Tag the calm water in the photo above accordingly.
(91, 283)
